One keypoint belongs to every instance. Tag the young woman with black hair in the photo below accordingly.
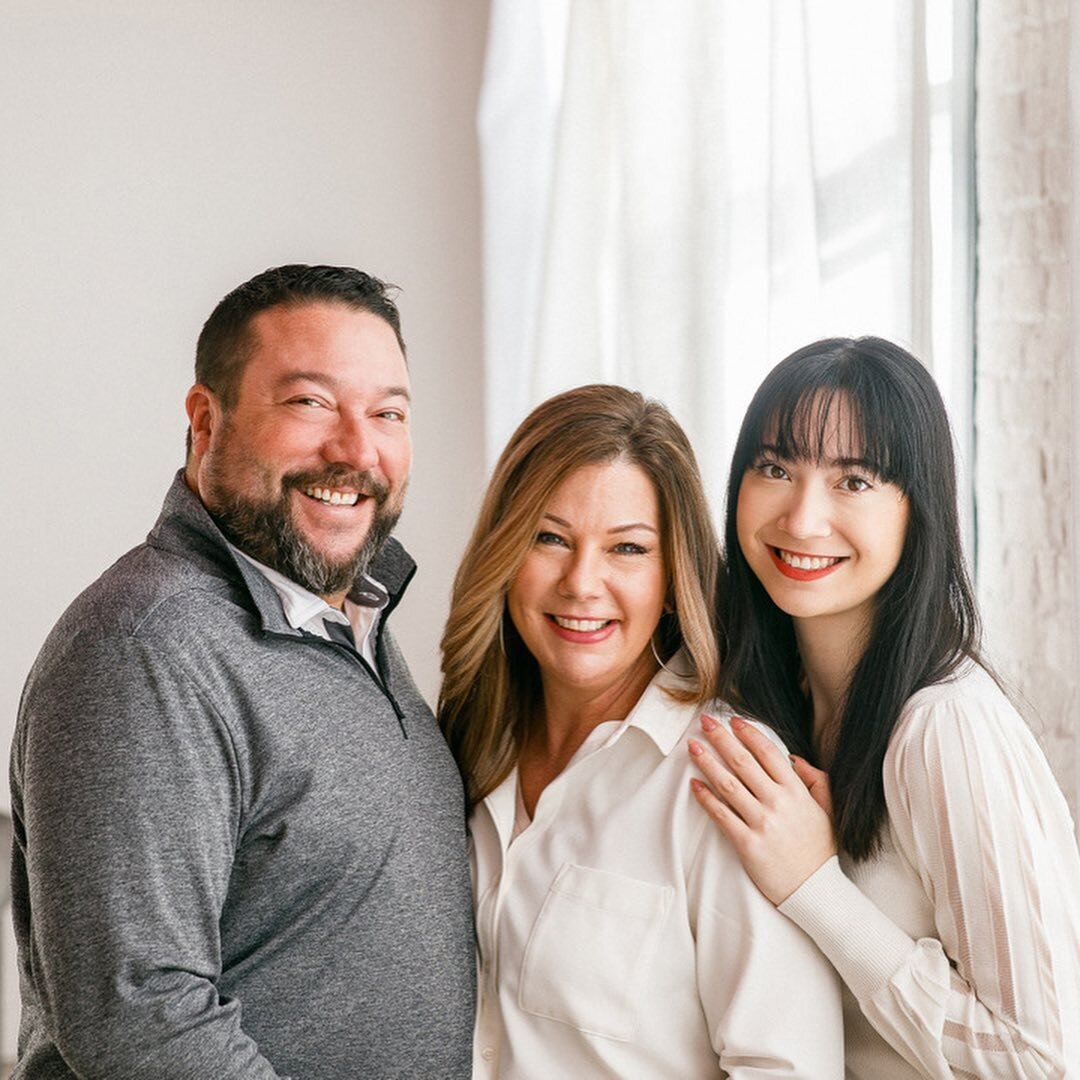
(931, 855)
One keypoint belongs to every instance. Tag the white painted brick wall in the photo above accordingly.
(1023, 387)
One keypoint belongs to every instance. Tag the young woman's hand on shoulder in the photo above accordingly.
(775, 811)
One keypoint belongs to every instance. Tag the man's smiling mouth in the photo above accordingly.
(331, 496)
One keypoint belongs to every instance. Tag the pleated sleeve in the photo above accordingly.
(977, 816)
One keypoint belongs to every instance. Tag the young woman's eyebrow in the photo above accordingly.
(843, 462)
(852, 463)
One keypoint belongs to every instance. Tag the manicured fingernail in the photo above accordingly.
(708, 723)
(737, 723)
(697, 785)
(696, 748)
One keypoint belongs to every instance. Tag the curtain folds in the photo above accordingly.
(676, 195)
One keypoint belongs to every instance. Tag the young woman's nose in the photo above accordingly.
(806, 514)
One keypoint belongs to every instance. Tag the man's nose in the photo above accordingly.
(351, 442)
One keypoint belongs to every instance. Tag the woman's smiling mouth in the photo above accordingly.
(801, 567)
(581, 631)
(584, 626)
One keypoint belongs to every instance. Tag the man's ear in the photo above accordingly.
(204, 416)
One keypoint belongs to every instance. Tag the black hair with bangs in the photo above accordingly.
(925, 623)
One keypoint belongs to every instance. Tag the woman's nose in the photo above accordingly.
(582, 575)
(807, 513)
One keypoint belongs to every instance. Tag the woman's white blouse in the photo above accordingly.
(619, 937)
(960, 943)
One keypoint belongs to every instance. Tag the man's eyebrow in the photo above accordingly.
(320, 378)
(628, 527)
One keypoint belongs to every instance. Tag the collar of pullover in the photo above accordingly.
(186, 528)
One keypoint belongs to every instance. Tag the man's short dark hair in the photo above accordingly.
(226, 343)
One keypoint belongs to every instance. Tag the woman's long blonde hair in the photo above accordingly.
(491, 692)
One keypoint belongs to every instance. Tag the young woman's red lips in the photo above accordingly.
(796, 573)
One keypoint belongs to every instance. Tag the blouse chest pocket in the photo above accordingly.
(589, 952)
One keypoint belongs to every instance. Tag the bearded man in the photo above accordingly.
(240, 845)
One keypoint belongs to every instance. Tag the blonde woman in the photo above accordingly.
(614, 939)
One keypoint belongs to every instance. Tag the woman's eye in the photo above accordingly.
(771, 471)
(627, 547)
(855, 483)
(549, 538)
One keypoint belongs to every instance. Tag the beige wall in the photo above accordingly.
(156, 154)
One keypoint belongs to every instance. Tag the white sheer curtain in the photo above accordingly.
(677, 194)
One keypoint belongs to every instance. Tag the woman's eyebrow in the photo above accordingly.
(851, 463)
(844, 461)
(628, 527)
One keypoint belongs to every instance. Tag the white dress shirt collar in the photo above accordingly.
(306, 611)
(656, 714)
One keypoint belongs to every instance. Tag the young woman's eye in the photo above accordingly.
(771, 470)
(855, 483)
(628, 547)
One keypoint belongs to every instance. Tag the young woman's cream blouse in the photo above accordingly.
(960, 943)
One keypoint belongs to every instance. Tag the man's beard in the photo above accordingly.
(267, 533)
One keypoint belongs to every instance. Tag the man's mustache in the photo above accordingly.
(363, 482)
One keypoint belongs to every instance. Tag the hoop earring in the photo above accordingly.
(656, 655)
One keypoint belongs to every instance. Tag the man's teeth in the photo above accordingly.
(582, 626)
(806, 562)
(334, 498)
